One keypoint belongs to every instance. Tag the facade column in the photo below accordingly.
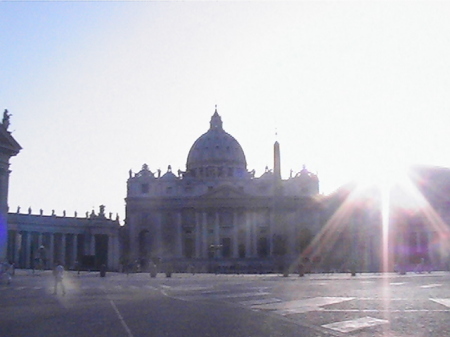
(253, 218)
(179, 238)
(133, 243)
(405, 250)
(159, 245)
(418, 237)
(204, 235)
(217, 248)
(248, 235)
(235, 247)
(197, 235)
(271, 231)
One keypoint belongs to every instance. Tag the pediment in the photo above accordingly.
(225, 191)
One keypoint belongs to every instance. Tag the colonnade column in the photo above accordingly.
(74, 249)
(92, 245)
(28, 250)
(63, 249)
(111, 253)
(51, 250)
(39, 240)
(12, 246)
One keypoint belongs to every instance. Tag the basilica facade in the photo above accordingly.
(217, 213)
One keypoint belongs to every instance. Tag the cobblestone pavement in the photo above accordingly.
(328, 304)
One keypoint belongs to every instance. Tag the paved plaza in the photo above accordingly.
(226, 305)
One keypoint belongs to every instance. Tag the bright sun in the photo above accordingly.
(383, 173)
(392, 180)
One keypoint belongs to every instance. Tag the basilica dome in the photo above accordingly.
(216, 153)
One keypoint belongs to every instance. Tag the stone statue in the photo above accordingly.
(18, 209)
(102, 210)
(5, 120)
(53, 212)
(29, 210)
(41, 212)
(64, 213)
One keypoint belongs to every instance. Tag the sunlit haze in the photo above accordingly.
(352, 89)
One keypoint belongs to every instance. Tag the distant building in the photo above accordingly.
(36, 240)
(39, 241)
(216, 213)
(403, 228)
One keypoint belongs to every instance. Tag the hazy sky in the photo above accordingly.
(99, 88)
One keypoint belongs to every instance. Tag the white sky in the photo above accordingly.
(98, 88)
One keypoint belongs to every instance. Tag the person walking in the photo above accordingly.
(7, 271)
(58, 273)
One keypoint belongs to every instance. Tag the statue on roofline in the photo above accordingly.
(5, 120)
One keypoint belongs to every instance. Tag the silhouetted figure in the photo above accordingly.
(58, 274)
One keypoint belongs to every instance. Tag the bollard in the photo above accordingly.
(102, 270)
(153, 270)
(301, 270)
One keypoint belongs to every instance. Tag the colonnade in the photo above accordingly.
(25, 248)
